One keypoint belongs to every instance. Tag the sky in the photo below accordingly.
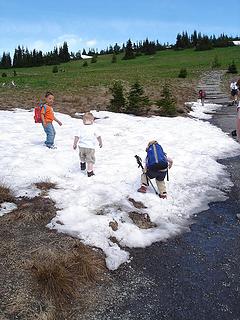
(98, 24)
(86, 206)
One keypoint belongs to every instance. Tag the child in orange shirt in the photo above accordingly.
(48, 117)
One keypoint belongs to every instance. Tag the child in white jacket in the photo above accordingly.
(86, 139)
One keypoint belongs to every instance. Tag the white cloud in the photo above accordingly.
(91, 43)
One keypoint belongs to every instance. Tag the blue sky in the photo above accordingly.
(97, 24)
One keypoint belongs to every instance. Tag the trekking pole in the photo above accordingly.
(139, 162)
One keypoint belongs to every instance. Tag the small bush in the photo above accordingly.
(216, 64)
(4, 75)
(94, 59)
(182, 73)
(14, 73)
(55, 69)
(232, 68)
(114, 58)
(85, 63)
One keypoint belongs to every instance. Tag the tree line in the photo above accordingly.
(25, 58)
(200, 42)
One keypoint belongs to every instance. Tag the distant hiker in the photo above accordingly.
(86, 139)
(157, 165)
(202, 96)
(238, 123)
(234, 92)
(48, 117)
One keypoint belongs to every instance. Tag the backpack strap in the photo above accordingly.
(45, 107)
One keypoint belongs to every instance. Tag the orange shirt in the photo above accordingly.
(48, 115)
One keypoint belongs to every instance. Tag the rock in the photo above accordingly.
(137, 204)
(113, 225)
(141, 220)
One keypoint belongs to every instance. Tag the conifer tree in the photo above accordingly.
(137, 101)
(129, 53)
(118, 102)
(167, 103)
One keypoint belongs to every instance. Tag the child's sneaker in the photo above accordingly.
(90, 173)
(142, 189)
(163, 195)
(83, 165)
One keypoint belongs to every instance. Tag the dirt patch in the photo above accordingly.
(44, 274)
(94, 98)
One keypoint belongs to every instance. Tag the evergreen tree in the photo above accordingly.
(66, 54)
(84, 52)
(118, 102)
(129, 54)
(6, 61)
(116, 48)
(167, 103)
(204, 44)
(137, 101)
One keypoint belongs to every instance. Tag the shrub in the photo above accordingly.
(232, 68)
(4, 75)
(114, 58)
(55, 69)
(94, 59)
(85, 63)
(182, 73)
(137, 101)
(118, 102)
(14, 73)
(167, 104)
(216, 64)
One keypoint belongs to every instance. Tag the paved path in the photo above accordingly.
(211, 83)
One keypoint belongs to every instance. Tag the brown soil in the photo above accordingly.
(93, 98)
(44, 274)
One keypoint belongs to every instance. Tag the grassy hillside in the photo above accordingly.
(151, 71)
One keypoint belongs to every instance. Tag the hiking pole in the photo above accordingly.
(139, 162)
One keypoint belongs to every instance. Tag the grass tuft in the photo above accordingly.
(6, 194)
(61, 274)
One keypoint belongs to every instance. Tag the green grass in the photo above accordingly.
(149, 70)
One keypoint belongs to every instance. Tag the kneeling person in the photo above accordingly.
(157, 164)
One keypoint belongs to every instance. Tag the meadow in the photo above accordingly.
(74, 80)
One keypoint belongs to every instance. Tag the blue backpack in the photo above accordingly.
(156, 158)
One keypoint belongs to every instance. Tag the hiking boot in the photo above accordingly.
(51, 147)
(142, 189)
(163, 195)
(83, 165)
(90, 174)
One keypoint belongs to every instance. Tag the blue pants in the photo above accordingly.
(50, 132)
